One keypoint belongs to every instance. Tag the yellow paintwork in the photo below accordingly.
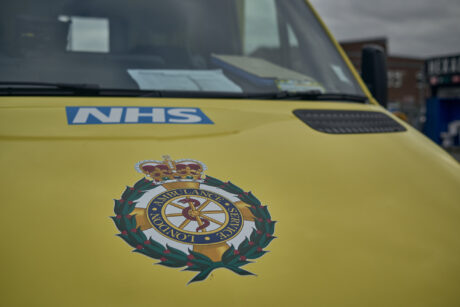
(364, 220)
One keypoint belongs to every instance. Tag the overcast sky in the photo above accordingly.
(420, 28)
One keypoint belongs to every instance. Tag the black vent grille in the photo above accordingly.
(349, 122)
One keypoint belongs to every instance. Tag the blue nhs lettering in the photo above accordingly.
(135, 115)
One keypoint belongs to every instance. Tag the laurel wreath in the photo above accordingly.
(233, 259)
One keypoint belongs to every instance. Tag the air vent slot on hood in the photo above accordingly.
(349, 122)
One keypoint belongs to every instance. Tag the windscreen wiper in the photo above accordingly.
(50, 88)
(319, 96)
(284, 95)
(27, 87)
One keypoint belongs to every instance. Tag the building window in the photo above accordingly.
(395, 78)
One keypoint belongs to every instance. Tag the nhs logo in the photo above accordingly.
(135, 115)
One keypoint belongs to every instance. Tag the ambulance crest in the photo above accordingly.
(187, 220)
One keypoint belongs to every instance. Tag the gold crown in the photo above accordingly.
(171, 170)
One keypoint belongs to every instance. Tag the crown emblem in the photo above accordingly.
(168, 169)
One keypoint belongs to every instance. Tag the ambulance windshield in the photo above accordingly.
(224, 46)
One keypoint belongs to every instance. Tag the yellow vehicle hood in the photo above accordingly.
(361, 219)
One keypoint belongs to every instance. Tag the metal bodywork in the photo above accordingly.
(363, 220)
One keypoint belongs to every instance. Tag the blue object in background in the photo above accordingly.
(443, 121)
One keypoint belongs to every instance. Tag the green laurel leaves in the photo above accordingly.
(233, 259)
(261, 236)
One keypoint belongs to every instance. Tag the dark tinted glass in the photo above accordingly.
(250, 46)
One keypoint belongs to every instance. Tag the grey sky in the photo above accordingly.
(420, 28)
